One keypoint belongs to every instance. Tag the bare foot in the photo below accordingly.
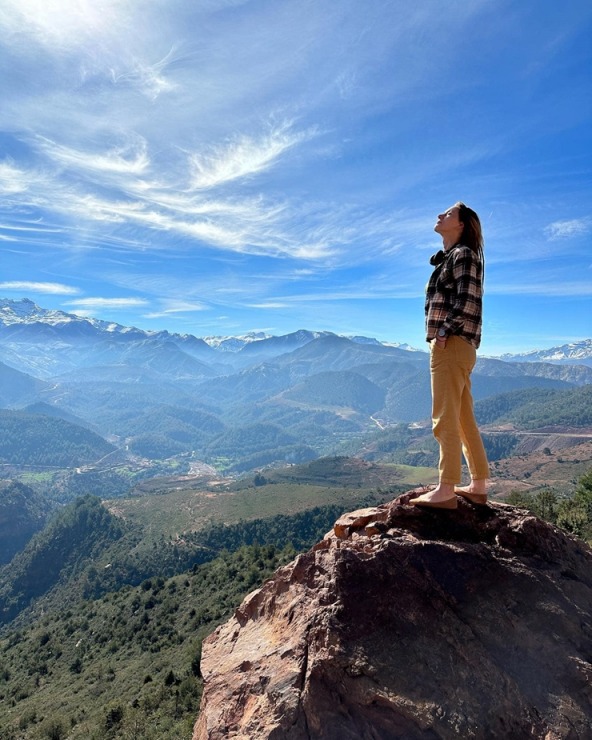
(475, 488)
(475, 492)
(442, 492)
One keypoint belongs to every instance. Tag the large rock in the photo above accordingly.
(474, 623)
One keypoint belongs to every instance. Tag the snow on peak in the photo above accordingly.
(581, 350)
(233, 344)
(25, 311)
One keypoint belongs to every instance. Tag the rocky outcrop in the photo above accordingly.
(409, 623)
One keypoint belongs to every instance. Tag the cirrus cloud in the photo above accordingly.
(244, 156)
(98, 304)
(569, 228)
(24, 286)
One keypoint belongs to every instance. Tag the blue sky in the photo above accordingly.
(226, 166)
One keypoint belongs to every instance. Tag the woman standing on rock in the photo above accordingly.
(453, 329)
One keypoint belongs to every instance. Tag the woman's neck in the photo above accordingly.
(449, 243)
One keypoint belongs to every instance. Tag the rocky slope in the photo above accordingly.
(407, 623)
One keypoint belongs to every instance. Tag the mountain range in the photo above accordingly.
(24, 320)
(103, 605)
(574, 352)
(236, 402)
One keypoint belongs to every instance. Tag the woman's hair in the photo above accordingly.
(471, 236)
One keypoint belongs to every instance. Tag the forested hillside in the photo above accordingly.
(339, 389)
(85, 550)
(537, 407)
(126, 663)
(22, 513)
(33, 439)
(17, 387)
(73, 538)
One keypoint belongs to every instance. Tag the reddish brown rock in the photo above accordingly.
(474, 623)
(358, 520)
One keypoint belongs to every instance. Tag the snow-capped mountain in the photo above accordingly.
(46, 343)
(574, 352)
(25, 312)
(27, 319)
(235, 344)
(24, 323)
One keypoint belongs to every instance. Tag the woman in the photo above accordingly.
(453, 328)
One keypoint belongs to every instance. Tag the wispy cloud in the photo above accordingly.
(97, 304)
(108, 189)
(16, 180)
(12, 179)
(244, 156)
(97, 40)
(129, 158)
(252, 120)
(35, 227)
(569, 228)
(171, 307)
(33, 287)
(269, 304)
(149, 78)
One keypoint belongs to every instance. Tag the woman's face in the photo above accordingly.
(448, 223)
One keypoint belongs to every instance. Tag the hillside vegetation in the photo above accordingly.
(125, 665)
(33, 439)
(22, 513)
(536, 407)
(573, 514)
(78, 534)
(88, 549)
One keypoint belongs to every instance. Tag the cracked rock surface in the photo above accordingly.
(411, 623)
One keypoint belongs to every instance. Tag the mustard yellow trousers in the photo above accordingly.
(453, 419)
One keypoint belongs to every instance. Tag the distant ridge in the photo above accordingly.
(23, 319)
(260, 401)
(235, 344)
(16, 386)
(574, 352)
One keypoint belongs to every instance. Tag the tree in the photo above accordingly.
(113, 717)
(583, 494)
(542, 504)
(546, 503)
(572, 517)
(54, 729)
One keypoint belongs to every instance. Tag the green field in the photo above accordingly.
(173, 507)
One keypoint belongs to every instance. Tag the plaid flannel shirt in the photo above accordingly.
(454, 295)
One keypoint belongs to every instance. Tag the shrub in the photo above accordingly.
(54, 729)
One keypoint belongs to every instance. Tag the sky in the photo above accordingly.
(216, 167)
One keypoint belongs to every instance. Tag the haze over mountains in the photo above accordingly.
(22, 321)
(235, 401)
(576, 352)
